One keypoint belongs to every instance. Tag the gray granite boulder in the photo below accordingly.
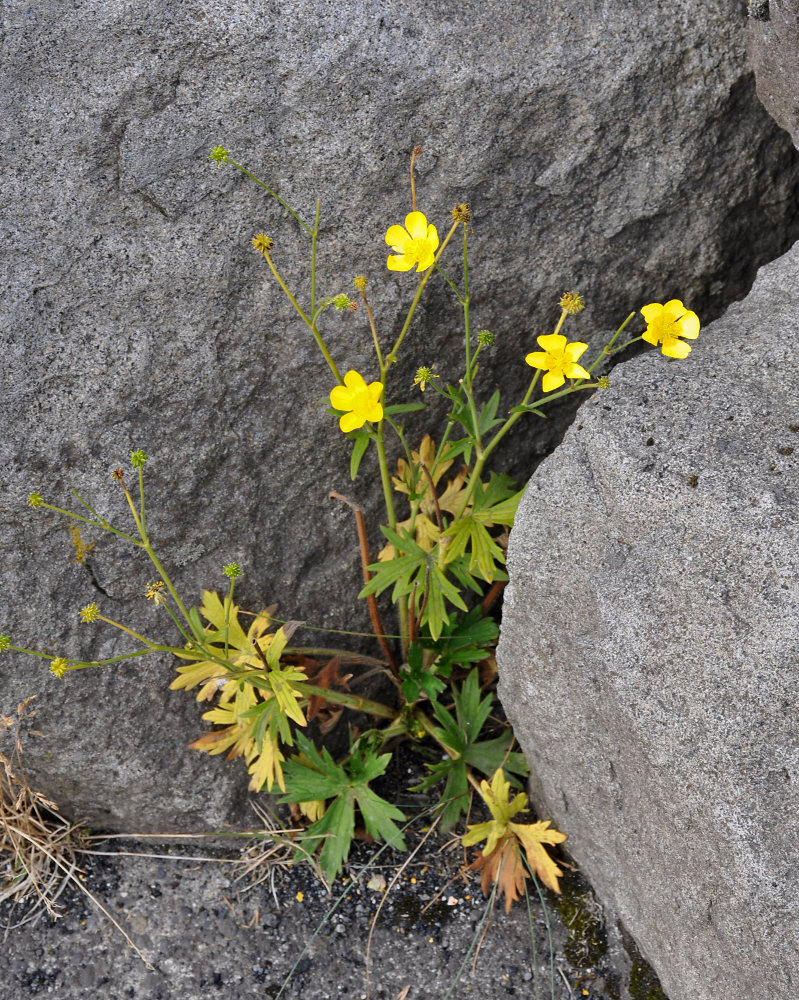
(650, 645)
(772, 40)
(616, 147)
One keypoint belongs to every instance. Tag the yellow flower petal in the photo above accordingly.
(374, 412)
(426, 260)
(673, 309)
(674, 348)
(353, 380)
(375, 390)
(688, 325)
(574, 350)
(652, 312)
(538, 359)
(352, 421)
(398, 238)
(341, 398)
(552, 380)
(575, 371)
(650, 337)
(400, 263)
(416, 224)
(552, 342)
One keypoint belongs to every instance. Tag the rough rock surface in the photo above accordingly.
(618, 147)
(772, 40)
(649, 647)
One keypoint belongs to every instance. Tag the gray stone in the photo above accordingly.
(617, 147)
(649, 647)
(772, 42)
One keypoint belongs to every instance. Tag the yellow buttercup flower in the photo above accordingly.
(558, 360)
(666, 324)
(416, 244)
(360, 401)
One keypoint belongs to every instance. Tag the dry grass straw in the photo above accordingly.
(37, 844)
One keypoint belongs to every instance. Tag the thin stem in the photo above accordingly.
(450, 282)
(432, 486)
(96, 524)
(82, 664)
(465, 301)
(392, 355)
(606, 350)
(169, 585)
(174, 617)
(414, 154)
(274, 194)
(314, 238)
(353, 701)
(124, 628)
(311, 325)
(478, 465)
(141, 497)
(368, 308)
(385, 477)
(371, 601)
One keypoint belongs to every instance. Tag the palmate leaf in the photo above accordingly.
(314, 775)
(500, 861)
(460, 733)
(416, 679)
(468, 640)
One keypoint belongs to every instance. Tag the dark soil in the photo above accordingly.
(208, 935)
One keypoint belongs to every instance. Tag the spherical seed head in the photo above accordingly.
(59, 666)
(89, 614)
(424, 376)
(35, 500)
(461, 213)
(219, 154)
(417, 150)
(119, 474)
(571, 303)
(262, 243)
(138, 459)
(485, 338)
(603, 382)
(232, 570)
(360, 282)
(342, 302)
(5, 642)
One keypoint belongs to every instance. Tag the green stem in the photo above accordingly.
(82, 664)
(450, 282)
(104, 526)
(309, 323)
(178, 626)
(314, 237)
(606, 350)
(169, 585)
(385, 477)
(353, 701)
(274, 194)
(478, 465)
(392, 355)
(141, 496)
(124, 628)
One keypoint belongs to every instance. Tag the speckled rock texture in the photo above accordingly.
(616, 147)
(649, 646)
(772, 41)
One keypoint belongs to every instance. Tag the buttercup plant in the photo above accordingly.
(447, 515)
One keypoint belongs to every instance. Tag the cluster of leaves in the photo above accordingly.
(445, 548)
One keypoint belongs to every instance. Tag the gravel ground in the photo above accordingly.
(208, 935)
